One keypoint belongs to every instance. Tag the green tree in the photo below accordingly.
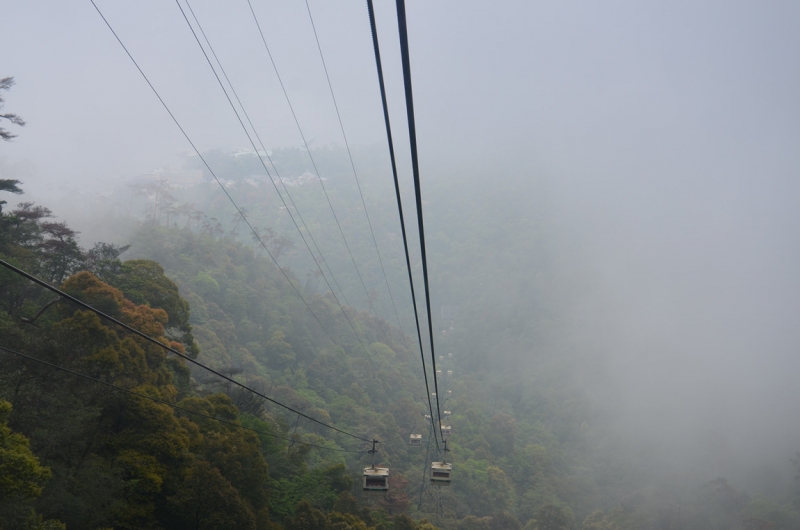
(144, 282)
(5, 84)
(504, 521)
(597, 520)
(21, 479)
(551, 517)
(206, 501)
(9, 185)
(306, 517)
(279, 352)
(502, 434)
(404, 522)
(103, 260)
(62, 254)
(235, 453)
(500, 489)
(345, 521)
(21, 475)
(471, 522)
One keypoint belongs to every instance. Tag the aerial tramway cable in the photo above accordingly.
(274, 168)
(208, 59)
(258, 237)
(378, 64)
(170, 349)
(213, 174)
(412, 136)
(244, 111)
(355, 174)
(347, 317)
(311, 157)
(174, 406)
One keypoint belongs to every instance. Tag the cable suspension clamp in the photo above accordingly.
(373, 451)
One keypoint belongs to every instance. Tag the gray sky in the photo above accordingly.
(612, 86)
(667, 133)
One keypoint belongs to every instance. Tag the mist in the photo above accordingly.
(657, 143)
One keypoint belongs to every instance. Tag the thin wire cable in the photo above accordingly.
(170, 349)
(213, 174)
(372, 364)
(378, 64)
(266, 153)
(355, 173)
(412, 136)
(241, 214)
(322, 185)
(426, 467)
(247, 116)
(311, 157)
(177, 407)
(344, 312)
(208, 59)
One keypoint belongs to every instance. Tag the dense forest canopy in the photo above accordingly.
(530, 446)
(206, 315)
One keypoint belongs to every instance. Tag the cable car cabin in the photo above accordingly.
(438, 372)
(441, 473)
(441, 357)
(433, 394)
(450, 355)
(427, 417)
(415, 439)
(447, 413)
(449, 392)
(449, 373)
(376, 479)
(446, 430)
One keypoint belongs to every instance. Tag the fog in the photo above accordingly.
(663, 136)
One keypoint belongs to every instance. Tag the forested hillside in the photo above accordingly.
(529, 447)
(301, 265)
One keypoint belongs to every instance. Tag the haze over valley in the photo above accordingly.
(611, 228)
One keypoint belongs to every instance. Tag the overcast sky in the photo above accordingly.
(611, 86)
(668, 133)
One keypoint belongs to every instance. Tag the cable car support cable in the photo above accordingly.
(313, 163)
(244, 111)
(244, 218)
(170, 349)
(355, 173)
(213, 174)
(274, 168)
(378, 64)
(412, 136)
(247, 133)
(174, 406)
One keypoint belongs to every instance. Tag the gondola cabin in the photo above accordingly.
(439, 373)
(441, 357)
(447, 413)
(450, 355)
(376, 479)
(427, 417)
(415, 439)
(449, 373)
(441, 473)
(446, 430)
(449, 392)
(433, 394)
